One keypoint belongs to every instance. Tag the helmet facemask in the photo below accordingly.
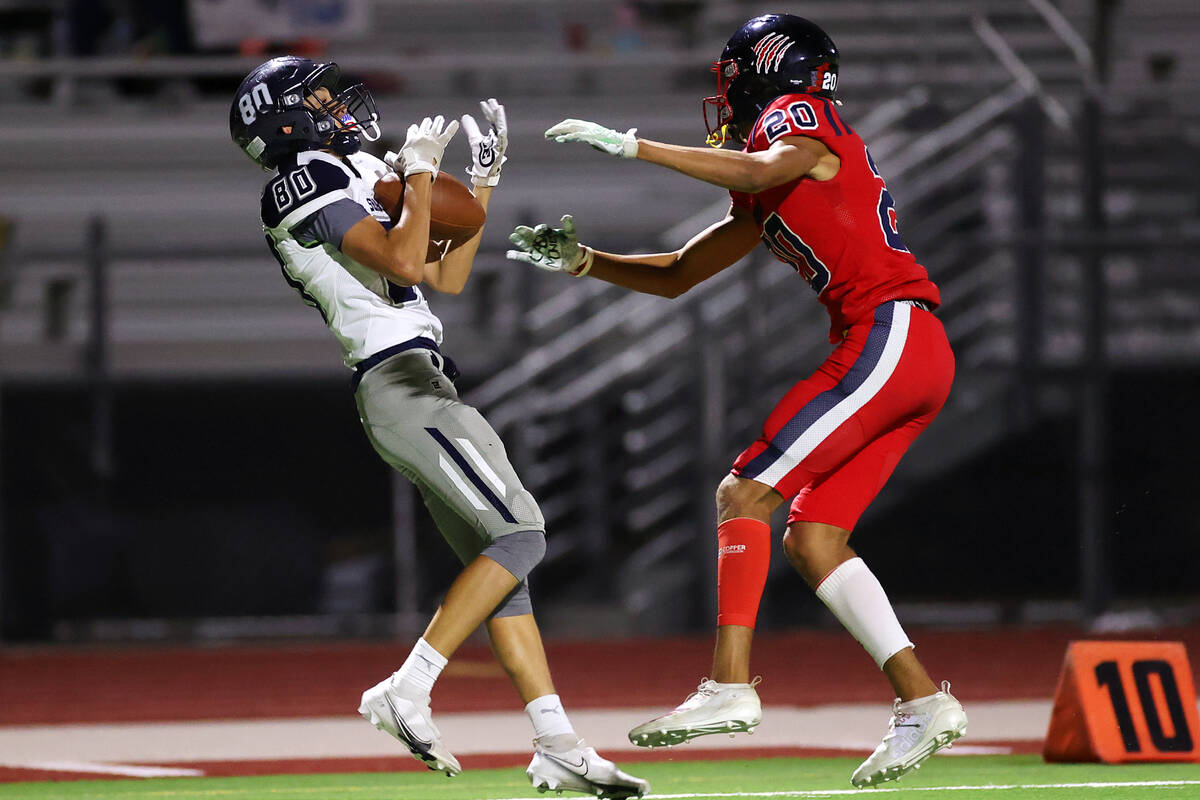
(345, 116)
(718, 113)
(741, 96)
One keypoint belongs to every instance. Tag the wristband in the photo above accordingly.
(588, 257)
(629, 144)
(417, 167)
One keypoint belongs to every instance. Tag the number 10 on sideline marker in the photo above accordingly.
(1124, 701)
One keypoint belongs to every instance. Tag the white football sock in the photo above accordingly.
(548, 717)
(421, 669)
(856, 598)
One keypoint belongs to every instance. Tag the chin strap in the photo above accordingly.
(719, 137)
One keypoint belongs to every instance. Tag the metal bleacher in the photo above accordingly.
(579, 376)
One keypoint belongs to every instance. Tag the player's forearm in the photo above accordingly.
(650, 274)
(451, 273)
(408, 240)
(729, 169)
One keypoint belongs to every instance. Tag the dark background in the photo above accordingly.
(233, 499)
(179, 451)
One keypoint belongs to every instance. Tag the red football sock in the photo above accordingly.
(743, 557)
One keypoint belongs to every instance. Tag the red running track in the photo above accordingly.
(52, 685)
(47, 685)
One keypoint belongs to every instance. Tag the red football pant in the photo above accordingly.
(743, 558)
(835, 437)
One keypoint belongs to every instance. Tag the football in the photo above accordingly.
(454, 214)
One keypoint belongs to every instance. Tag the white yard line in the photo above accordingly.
(854, 727)
(907, 789)
(975, 750)
(131, 770)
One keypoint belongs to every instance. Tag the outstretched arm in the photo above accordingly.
(789, 158)
(664, 274)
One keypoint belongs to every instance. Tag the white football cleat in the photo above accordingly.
(712, 708)
(919, 728)
(409, 721)
(572, 766)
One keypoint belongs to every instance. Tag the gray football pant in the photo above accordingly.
(416, 422)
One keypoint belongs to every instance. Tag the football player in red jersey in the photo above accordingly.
(806, 186)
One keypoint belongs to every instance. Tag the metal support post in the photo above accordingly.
(5, 229)
(594, 502)
(3, 559)
(96, 363)
(405, 576)
(1030, 184)
(1093, 457)
(710, 371)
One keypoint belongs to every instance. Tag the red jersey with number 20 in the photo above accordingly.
(841, 234)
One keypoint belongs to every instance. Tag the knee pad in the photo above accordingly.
(518, 552)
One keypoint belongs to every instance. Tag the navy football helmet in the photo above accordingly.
(270, 118)
(771, 55)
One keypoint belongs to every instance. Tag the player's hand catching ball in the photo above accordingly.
(487, 150)
(422, 150)
(606, 140)
(552, 249)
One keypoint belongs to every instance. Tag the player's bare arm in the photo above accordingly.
(398, 254)
(664, 274)
(786, 160)
(671, 274)
(449, 274)
(789, 158)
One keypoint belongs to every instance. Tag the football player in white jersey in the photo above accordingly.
(341, 251)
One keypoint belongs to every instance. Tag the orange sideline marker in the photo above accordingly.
(1124, 701)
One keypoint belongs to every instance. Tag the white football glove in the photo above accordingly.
(552, 249)
(606, 140)
(422, 150)
(487, 150)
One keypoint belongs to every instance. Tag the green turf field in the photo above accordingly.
(953, 778)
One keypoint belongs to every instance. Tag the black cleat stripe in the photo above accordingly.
(415, 744)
